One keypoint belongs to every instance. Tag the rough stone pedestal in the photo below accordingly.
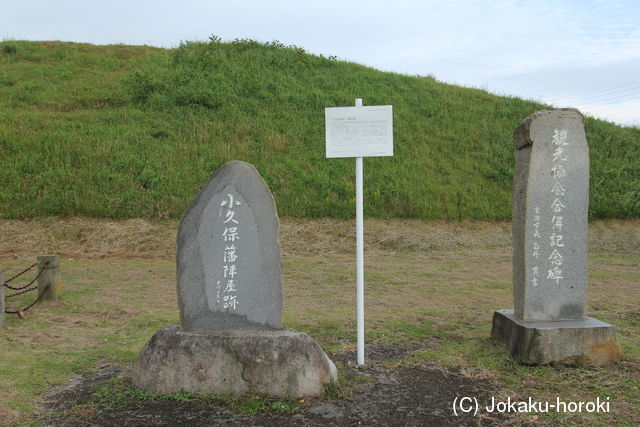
(277, 363)
(532, 342)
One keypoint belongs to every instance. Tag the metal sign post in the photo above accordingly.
(358, 132)
(360, 254)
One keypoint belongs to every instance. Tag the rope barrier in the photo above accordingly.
(24, 289)
(21, 312)
(20, 293)
(19, 288)
(21, 273)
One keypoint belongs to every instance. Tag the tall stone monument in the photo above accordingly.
(550, 230)
(230, 338)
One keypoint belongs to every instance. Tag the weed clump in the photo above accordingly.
(9, 49)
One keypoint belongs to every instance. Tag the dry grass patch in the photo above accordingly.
(80, 237)
(437, 303)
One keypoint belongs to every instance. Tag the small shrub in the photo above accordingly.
(9, 49)
(337, 389)
(180, 396)
(249, 406)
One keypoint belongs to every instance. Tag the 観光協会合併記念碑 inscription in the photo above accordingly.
(551, 199)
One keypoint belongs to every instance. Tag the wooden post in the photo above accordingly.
(49, 265)
(2, 301)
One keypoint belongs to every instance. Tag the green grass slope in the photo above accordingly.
(132, 131)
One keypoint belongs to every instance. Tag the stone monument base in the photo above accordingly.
(588, 341)
(277, 363)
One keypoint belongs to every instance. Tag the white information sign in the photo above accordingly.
(359, 131)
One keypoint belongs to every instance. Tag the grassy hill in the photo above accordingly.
(134, 131)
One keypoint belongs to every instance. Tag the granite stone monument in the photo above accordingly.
(550, 230)
(228, 260)
(230, 338)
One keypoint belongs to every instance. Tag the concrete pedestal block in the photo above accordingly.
(276, 363)
(589, 341)
(48, 280)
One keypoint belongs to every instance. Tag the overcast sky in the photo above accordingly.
(581, 53)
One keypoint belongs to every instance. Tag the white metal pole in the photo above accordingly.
(360, 255)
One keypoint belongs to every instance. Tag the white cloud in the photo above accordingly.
(624, 113)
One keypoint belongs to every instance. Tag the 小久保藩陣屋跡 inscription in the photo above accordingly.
(228, 254)
(230, 300)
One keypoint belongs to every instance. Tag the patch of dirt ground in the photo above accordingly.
(381, 393)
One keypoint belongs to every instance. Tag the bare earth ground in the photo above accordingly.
(431, 290)
(381, 395)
